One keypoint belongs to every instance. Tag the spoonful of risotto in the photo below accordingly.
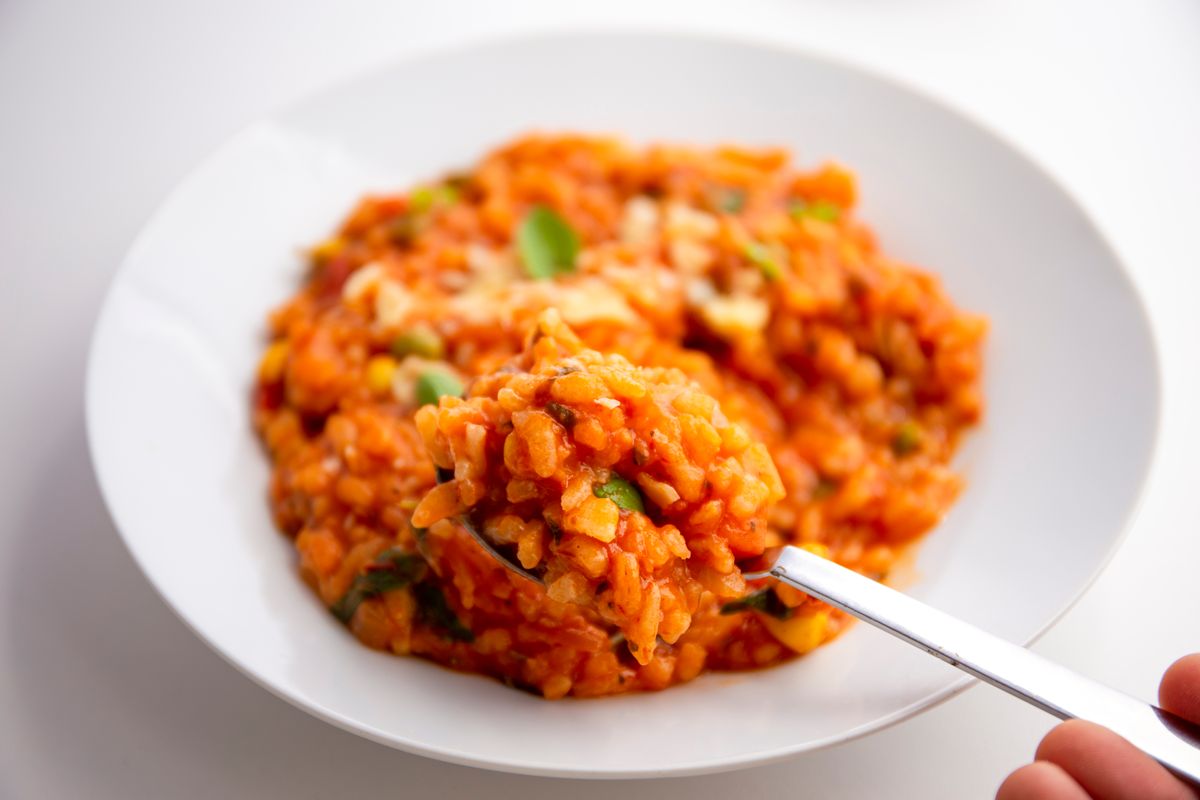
(626, 490)
(622, 489)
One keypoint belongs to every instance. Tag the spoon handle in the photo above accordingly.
(1173, 741)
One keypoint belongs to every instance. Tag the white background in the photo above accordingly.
(104, 106)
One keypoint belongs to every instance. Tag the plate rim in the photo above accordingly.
(701, 36)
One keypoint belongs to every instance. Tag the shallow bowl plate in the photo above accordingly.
(1053, 475)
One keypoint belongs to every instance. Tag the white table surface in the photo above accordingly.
(104, 106)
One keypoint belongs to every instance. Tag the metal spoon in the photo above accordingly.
(468, 524)
(1173, 741)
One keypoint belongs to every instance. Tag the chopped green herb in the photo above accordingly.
(436, 383)
(420, 341)
(547, 244)
(621, 492)
(405, 228)
(420, 534)
(434, 611)
(907, 438)
(825, 488)
(729, 200)
(564, 415)
(393, 569)
(427, 197)
(758, 255)
(344, 609)
(459, 181)
(763, 600)
(821, 209)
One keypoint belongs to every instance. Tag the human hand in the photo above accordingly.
(1080, 760)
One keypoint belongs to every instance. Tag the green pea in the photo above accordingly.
(435, 384)
(420, 341)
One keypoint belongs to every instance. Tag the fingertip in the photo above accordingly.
(1040, 780)
(1179, 691)
(1064, 742)
(1106, 765)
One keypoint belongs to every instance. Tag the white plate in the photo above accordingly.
(1053, 475)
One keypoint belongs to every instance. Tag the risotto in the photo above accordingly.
(634, 368)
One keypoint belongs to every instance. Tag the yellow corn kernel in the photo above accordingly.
(328, 249)
(270, 369)
(557, 686)
(801, 633)
(379, 373)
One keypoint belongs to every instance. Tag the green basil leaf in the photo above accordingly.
(562, 414)
(434, 611)
(761, 257)
(764, 600)
(546, 244)
(621, 492)
(392, 569)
